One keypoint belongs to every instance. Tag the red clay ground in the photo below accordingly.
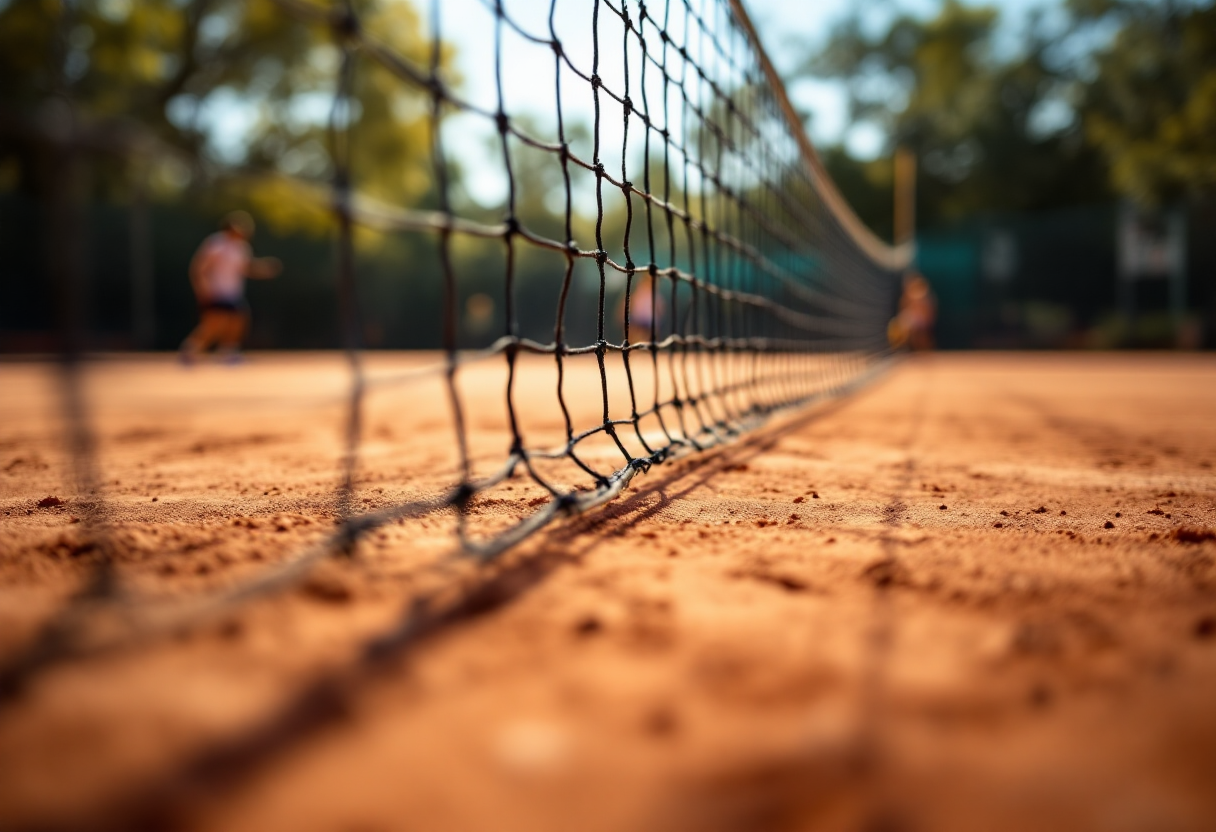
(980, 594)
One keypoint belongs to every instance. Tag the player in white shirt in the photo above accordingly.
(218, 273)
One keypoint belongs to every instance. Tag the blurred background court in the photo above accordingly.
(1064, 185)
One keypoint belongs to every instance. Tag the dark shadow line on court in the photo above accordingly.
(165, 803)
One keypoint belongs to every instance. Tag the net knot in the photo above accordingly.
(341, 202)
(630, 266)
(599, 169)
(461, 496)
(641, 12)
(628, 105)
(556, 46)
(572, 246)
(343, 22)
(511, 226)
(626, 186)
(601, 257)
(567, 503)
(502, 121)
(653, 269)
(596, 82)
(640, 464)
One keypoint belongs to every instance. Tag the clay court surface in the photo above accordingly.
(979, 594)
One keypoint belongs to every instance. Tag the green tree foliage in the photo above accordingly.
(217, 86)
(1151, 109)
(993, 128)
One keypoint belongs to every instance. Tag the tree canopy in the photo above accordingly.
(1151, 109)
(223, 85)
(1100, 98)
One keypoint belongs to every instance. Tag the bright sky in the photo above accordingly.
(789, 29)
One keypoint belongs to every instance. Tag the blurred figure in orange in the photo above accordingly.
(913, 325)
(218, 273)
(646, 309)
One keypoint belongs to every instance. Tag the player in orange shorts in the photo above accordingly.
(218, 273)
(646, 308)
(913, 325)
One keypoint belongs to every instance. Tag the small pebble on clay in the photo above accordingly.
(1040, 696)
(1205, 627)
(588, 625)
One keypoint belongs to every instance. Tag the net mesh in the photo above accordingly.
(738, 283)
(750, 287)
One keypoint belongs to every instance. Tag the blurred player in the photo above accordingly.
(218, 273)
(645, 311)
(913, 325)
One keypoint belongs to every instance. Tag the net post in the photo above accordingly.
(905, 195)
